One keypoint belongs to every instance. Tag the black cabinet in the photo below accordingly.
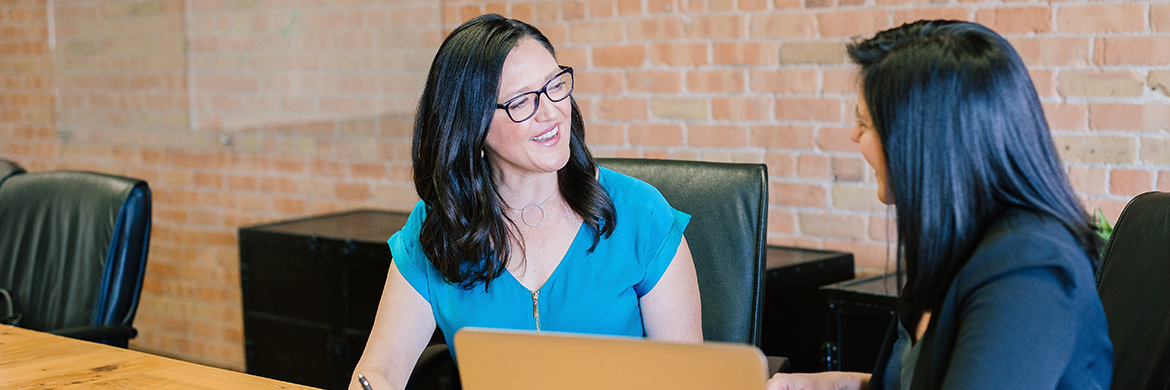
(310, 290)
(791, 324)
(857, 315)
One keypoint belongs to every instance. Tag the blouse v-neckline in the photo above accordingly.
(573, 247)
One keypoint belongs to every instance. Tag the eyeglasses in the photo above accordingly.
(524, 106)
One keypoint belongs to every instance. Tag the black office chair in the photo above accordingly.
(8, 168)
(728, 204)
(73, 251)
(1134, 287)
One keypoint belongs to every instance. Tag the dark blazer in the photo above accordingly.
(1023, 313)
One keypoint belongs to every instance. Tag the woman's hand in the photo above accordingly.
(833, 380)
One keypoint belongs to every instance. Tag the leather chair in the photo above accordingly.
(1134, 286)
(728, 204)
(8, 168)
(73, 249)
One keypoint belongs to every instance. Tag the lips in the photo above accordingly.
(547, 135)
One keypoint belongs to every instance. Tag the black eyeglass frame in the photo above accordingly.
(542, 90)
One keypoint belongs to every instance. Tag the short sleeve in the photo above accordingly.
(408, 255)
(669, 225)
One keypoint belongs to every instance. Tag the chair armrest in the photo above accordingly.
(431, 358)
(98, 333)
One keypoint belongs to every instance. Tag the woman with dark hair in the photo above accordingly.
(518, 227)
(998, 253)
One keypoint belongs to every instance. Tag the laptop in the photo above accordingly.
(493, 359)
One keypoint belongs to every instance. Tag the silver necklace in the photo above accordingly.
(524, 211)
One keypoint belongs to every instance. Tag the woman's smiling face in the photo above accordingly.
(539, 144)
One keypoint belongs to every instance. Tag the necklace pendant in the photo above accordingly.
(524, 215)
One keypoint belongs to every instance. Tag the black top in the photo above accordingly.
(1023, 313)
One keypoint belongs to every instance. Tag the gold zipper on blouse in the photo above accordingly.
(536, 308)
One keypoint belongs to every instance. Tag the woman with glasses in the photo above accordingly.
(518, 228)
(998, 252)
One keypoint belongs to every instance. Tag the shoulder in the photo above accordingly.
(628, 192)
(1022, 240)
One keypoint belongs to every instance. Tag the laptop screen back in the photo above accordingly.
(504, 359)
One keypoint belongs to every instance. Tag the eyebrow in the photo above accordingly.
(523, 90)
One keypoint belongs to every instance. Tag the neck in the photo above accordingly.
(518, 191)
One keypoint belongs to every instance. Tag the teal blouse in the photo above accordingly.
(589, 292)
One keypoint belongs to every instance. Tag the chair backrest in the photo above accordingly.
(728, 204)
(1134, 287)
(73, 247)
(8, 168)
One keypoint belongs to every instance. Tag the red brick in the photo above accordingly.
(714, 27)
(660, 6)
(753, 5)
(910, 15)
(1129, 117)
(1008, 20)
(367, 170)
(780, 164)
(853, 23)
(741, 108)
(654, 81)
(656, 135)
(1163, 181)
(600, 8)
(745, 53)
(656, 29)
(1066, 116)
(1103, 18)
(1130, 182)
(595, 81)
(1052, 51)
(781, 221)
(717, 136)
(679, 54)
(629, 7)
(597, 133)
(785, 81)
(1087, 180)
(782, 137)
(619, 56)
(798, 194)
(810, 109)
(1132, 51)
(782, 25)
(356, 191)
(836, 139)
(1160, 18)
(721, 80)
(812, 166)
(595, 32)
(848, 169)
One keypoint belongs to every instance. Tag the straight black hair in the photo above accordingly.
(465, 234)
(965, 139)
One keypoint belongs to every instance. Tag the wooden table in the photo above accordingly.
(36, 360)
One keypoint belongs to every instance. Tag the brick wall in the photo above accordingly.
(245, 111)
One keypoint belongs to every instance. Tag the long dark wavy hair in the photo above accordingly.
(465, 233)
(965, 139)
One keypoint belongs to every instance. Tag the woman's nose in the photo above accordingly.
(547, 110)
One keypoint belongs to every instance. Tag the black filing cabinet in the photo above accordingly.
(792, 317)
(311, 289)
(857, 315)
